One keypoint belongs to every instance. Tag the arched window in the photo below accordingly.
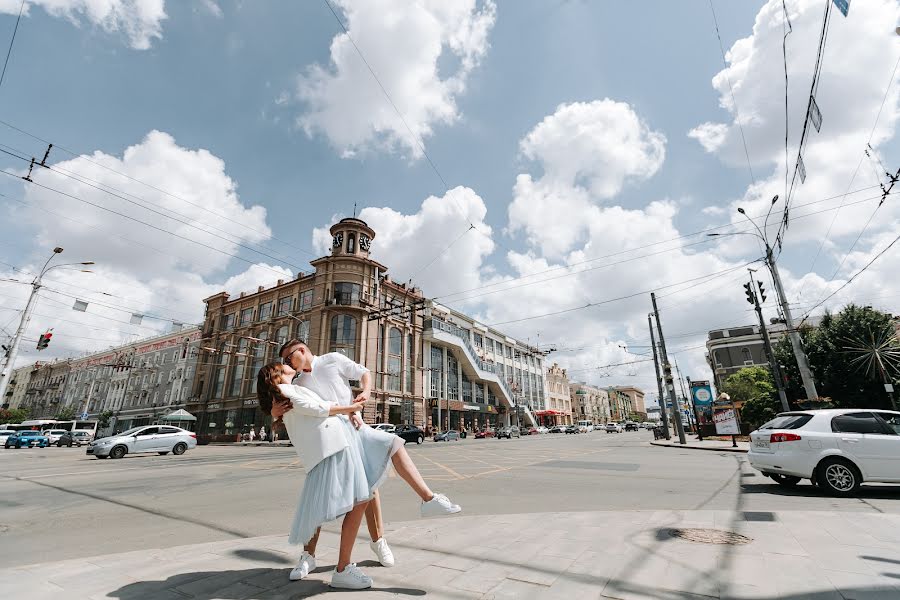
(218, 387)
(343, 335)
(260, 352)
(410, 364)
(281, 336)
(351, 243)
(303, 331)
(746, 356)
(237, 376)
(395, 350)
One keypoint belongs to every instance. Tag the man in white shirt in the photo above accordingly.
(329, 376)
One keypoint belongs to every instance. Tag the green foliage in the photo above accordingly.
(103, 419)
(637, 417)
(749, 383)
(16, 415)
(757, 411)
(837, 375)
(66, 413)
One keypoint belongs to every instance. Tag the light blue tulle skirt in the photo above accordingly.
(343, 480)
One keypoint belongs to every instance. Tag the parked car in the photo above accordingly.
(485, 433)
(613, 428)
(410, 433)
(447, 436)
(5, 433)
(54, 434)
(648, 425)
(389, 427)
(161, 439)
(835, 449)
(542, 430)
(585, 426)
(557, 429)
(573, 429)
(528, 431)
(27, 439)
(508, 432)
(632, 426)
(74, 438)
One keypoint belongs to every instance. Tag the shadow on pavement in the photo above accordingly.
(810, 491)
(237, 585)
(261, 556)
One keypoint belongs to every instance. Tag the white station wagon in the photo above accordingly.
(836, 449)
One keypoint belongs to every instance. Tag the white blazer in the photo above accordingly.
(314, 434)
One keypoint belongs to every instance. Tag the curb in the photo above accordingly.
(257, 444)
(707, 448)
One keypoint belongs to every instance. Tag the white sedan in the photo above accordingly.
(835, 449)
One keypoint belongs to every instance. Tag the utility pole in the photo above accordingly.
(663, 413)
(753, 297)
(667, 372)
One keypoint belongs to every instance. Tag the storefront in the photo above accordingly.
(466, 416)
(549, 418)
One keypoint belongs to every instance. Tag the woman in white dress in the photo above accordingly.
(343, 468)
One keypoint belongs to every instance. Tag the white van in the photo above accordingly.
(585, 426)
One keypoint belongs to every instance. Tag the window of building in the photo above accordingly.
(436, 367)
(246, 316)
(479, 341)
(260, 353)
(479, 393)
(228, 322)
(395, 349)
(466, 388)
(306, 300)
(746, 356)
(218, 386)
(281, 335)
(410, 364)
(237, 374)
(452, 378)
(347, 294)
(265, 311)
(351, 243)
(303, 331)
(284, 305)
(343, 335)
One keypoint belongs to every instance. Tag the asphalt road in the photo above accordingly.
(58, 503)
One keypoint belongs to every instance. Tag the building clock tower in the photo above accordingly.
(351, 237)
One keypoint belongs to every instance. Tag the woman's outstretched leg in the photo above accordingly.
(407, 470)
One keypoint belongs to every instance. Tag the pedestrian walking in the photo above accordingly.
(252, 434)
(262, 433)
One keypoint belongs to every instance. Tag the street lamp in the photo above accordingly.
(802, 362)
(6, 373)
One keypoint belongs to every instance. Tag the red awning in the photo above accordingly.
(549, 413)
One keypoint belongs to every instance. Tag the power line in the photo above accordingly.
(11, 42)
(786, 21)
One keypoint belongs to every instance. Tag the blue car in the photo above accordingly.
(27, 439)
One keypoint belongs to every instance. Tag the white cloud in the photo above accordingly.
(213, 8)
(139, 20)
(408, 46)
(710, 135)
(588, 152)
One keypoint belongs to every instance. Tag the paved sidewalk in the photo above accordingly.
(627, 555)
(715, 445)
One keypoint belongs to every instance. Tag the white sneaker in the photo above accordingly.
(382, 552)
(351, 578)
(304, 567)
(439, 505)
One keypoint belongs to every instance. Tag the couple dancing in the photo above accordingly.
(346, 460)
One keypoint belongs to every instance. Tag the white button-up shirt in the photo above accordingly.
(329, 378)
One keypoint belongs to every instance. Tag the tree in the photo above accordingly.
(66, 413)
(16, 415)
(833, 350)
(103, 419)
(748, 384)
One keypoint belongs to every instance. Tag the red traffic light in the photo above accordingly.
(44, 340)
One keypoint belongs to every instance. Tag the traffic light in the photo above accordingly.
(749, 293)
(44, 340)
(762, 291)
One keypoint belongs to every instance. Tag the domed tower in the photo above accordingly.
(351, 237)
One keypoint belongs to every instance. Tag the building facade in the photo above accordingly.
(559, 406)
(619, 404)
(348, 304)
(478, 377)
(18, 385)
(636, 404)
(46, 387)
(589, 403)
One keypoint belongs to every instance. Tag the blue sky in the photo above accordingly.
(223, 77)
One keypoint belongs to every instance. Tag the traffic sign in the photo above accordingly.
(84, 416)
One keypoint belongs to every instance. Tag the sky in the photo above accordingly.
(541, 165)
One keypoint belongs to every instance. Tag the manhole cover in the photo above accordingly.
(710, 536)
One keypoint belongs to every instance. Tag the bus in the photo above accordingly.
(588, 426)
(45, 424)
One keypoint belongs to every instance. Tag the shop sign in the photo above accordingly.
(394, 400)
(214, 406)
(251, 402)
(472, 407)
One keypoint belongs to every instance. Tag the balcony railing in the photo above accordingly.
(463, 336)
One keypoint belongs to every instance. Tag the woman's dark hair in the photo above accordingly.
(267, 386)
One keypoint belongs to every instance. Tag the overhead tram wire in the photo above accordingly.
(86, 158)
(787, 29)
(154, 211)
(117, 193)
(611, 300)
(150, 225)
(412, 134)
(11, 42)
(444, 298)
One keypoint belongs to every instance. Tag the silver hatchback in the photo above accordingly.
(161, 439)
